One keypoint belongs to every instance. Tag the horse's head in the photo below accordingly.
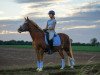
(25, 26)
(29, 24)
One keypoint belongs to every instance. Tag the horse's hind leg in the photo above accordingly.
(70, 58)
(62, 59)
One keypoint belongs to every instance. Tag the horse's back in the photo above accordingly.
(63, 36)
(65, 40)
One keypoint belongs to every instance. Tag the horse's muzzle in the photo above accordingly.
(19, 30)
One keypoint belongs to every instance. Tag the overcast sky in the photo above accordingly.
(80, 19)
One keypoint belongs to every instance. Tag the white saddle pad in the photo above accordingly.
(56, 40)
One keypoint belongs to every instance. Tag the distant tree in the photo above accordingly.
(98, 43)
(1, 42)
(93, 41)
(14, 42)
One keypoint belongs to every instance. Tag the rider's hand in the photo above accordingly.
(50, 28)
(44, 29)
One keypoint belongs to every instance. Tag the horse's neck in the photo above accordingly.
(35, 33)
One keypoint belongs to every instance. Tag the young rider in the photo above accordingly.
(51, 23)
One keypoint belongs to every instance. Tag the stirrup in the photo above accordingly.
(50, 52)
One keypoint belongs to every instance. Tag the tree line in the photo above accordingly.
(14, 42)
(93, 42)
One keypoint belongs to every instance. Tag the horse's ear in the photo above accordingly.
(24, 18)
(27, 18)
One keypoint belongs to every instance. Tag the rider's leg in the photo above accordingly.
(51, 43)
(51, 35)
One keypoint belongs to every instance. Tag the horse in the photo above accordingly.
(38, 36)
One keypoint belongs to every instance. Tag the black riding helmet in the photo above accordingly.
(51, 12)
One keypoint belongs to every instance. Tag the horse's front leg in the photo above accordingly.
(40, 60)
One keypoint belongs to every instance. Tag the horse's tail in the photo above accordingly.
(71, 51)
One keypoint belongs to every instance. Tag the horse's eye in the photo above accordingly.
(25, 22)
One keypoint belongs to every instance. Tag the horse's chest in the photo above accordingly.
(33, 44)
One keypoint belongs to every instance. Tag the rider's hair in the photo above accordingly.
(54, 16)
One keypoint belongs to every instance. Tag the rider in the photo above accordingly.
(51, 27)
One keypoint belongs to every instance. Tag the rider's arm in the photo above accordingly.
(46, 26)
(53, 26)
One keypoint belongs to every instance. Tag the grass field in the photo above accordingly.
(93, 69)
(21, 60)
(75, 48)
(87, 48)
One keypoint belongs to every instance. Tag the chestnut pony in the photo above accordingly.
(38, 37)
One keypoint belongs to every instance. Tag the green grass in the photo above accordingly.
(75, 48)
(86, 48)
(91, 69)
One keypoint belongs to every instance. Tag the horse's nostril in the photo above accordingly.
(19, 30)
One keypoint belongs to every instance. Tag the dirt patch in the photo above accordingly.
(12, 58)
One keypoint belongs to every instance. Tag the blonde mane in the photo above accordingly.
(36, 25)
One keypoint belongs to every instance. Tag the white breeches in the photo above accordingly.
(51, 34)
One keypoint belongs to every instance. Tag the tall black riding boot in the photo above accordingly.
(51, 46)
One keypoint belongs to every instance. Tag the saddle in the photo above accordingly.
(56, 39)
(56, 42)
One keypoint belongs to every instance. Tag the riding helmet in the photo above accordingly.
(51, 12)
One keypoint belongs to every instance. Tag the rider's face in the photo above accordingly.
(50, 15)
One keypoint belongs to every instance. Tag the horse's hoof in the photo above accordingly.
(40, 69)
(37, 69)
(72, 69)
(61, 68)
